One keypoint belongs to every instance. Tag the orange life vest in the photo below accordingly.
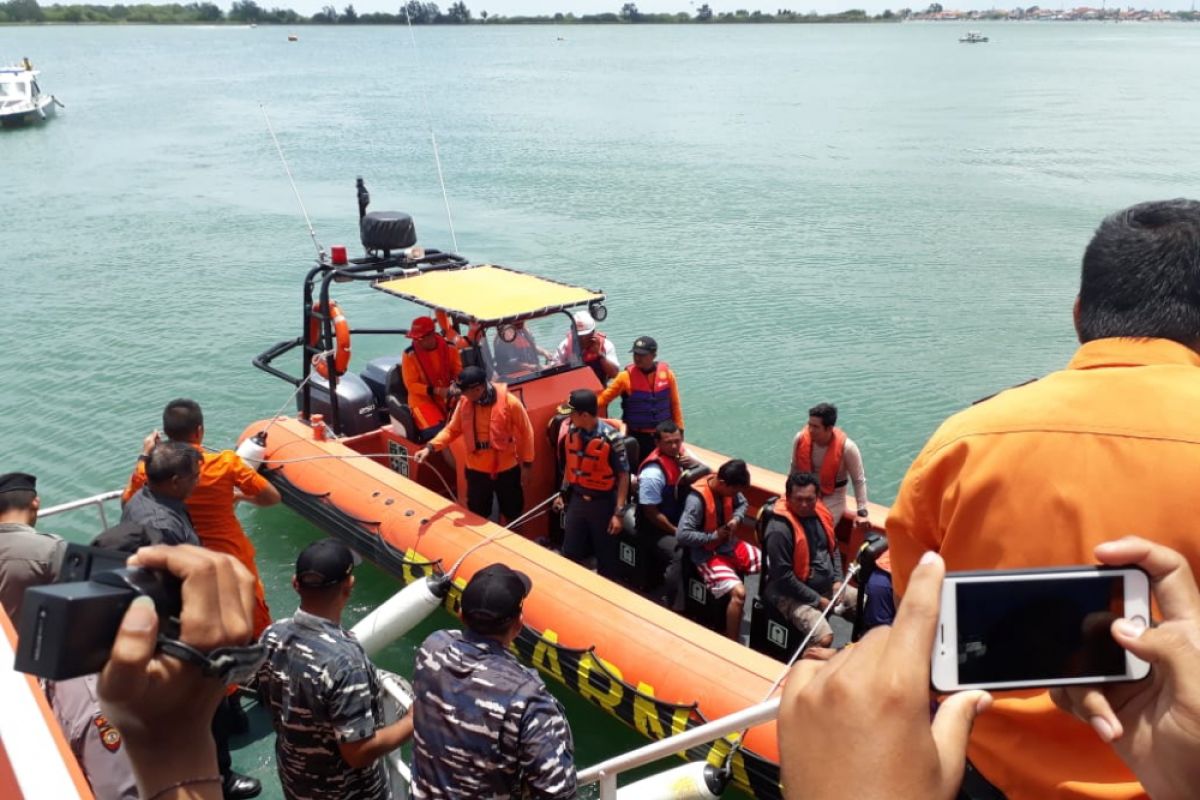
(830, 467)
(649, 400)
(500, 431)
(669, 466)
(435, 375)
(713, 517)
(800, 559)
(588, 465)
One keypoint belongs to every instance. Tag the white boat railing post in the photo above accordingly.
(97, 500)
(605, 773)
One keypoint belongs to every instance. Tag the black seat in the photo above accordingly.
(397, 404)
(636, 567)
(699, 605)
(771, 633)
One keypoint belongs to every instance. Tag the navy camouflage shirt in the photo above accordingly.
(485, 727)
(321, 689)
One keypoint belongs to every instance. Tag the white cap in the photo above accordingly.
(584, 324)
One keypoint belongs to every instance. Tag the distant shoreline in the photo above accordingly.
(249, 13)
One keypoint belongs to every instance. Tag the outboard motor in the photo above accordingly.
(356, 403)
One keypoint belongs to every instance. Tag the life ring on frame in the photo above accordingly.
(341, 335)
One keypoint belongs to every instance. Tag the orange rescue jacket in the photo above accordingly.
(830, 467)
(800, 555)
(588, 465)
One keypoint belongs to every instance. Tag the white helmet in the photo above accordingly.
(584, 324)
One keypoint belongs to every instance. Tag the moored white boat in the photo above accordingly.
(22, 101)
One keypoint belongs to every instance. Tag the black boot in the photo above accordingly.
(236, 786)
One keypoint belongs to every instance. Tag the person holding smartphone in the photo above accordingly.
(877, 691)
(1039, 474)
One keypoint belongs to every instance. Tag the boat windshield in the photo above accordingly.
(538, 347)
(13, 89)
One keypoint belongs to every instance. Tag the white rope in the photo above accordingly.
(288, 170)
(437, 158)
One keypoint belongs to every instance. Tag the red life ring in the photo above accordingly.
(341, 334)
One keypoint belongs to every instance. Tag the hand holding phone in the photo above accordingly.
(1154, 725)
(1037, 628)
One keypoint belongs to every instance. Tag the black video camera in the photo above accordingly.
(67, 629)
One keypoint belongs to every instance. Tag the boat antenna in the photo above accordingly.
(312, 233)
(437, 158)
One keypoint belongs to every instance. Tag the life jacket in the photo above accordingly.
(647, 404)
(436, 375)
(714, 516)
(669, 466)
(500, 431)
(594, 356)
(588, 465)
(800, 555)
(830, 467)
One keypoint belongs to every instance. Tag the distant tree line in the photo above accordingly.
(245, 12)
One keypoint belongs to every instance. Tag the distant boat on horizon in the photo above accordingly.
(973, 37)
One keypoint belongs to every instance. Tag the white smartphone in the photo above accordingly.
(1020, 629)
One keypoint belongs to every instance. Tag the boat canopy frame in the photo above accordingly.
(390, 273)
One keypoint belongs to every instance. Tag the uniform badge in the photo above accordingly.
(110, 737)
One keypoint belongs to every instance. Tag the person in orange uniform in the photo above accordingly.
(499, 439)
(649, 395)
(1033, 476)
(429, 368)
(224, 480)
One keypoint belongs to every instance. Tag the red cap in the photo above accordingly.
(420, 328)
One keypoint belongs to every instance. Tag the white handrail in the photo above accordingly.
(97, 500)
(606, 771)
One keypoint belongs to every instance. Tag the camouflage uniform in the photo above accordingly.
(321, 689)
(485, 726)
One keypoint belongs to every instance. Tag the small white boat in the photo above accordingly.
(21, 99)
(973, 37)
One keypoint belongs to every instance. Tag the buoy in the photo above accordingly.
(253, 449)
(696, 780)
(402, 612)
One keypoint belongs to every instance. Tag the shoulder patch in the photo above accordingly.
(1002, 391)
(110, 737)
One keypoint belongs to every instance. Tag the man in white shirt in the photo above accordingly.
(594, 347)
(824, 449)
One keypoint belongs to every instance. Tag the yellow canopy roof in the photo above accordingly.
(488, 293)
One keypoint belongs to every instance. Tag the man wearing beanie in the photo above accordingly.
(498, 436)
(27, 558)
(322, 690)
(483, 724)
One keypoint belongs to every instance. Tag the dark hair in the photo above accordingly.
(798, 480)
(182, 419)
(665, 427)
(734, 473)
(17, 500)
(170, 459)
(826, 411)
(1141, 274)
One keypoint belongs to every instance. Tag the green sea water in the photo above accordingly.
(875, 216)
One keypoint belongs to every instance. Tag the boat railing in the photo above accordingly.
(605, 773)
(97, 500)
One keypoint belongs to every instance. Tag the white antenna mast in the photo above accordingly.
(288, 170)
(437, 158)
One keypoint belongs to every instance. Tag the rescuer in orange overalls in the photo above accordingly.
(429, 368)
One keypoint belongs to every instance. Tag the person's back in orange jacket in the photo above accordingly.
(1040, 474)
(224, 479)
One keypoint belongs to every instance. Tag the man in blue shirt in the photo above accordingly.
(484, 726)
(659, 506)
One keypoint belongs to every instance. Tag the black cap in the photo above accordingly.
(493, 596)
(583, 400)
(17, 482)
(643, 345)
(325, 562)
(128, 537)
(471, 376)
